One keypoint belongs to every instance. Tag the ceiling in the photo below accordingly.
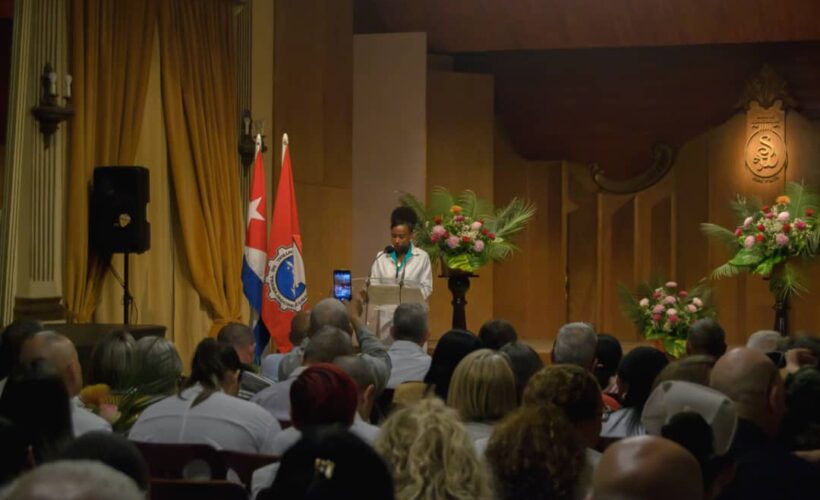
(602, 81)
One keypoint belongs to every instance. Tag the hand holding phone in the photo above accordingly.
(342, 288)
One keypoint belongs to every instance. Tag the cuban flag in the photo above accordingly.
(284, 291)
(253, 262)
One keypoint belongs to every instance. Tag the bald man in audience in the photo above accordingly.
(706, 337)
(764, 468)
(241, 338)
(60, 352)
(647, 468)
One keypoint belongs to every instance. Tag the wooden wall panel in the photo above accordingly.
(616, 261)
(529, 288)
(460, 156)
(581, 220)
(313, 96)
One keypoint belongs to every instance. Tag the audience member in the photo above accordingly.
(534, 454)
(74, 480)
(60, 352)
(496, 333)
(764, 469)
(524, 361)
(14, 457)
(706, 337)
(207, 410)
(647, 468)
(331, 463)
(577, 344)
(409, 362)
(450, 349)
(482, 390)
(112, 361)
(241, 338)
(573, 390)
(636, 374)
(12, 339)
(695, 369)
(298, 332)
(114, 451)
(321, 395)
(608, 352)
(431, 455)
(36, 402)
(362, 375)
(325, 346)
(158, 366)
(800, 429)
(700, 419)
(331, 312)
(764, 341)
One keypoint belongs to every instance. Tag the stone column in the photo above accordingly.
(32, 224)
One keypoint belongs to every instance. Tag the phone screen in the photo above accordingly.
(342, 289)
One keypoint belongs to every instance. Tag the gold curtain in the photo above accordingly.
(110, 62)
(199, 102)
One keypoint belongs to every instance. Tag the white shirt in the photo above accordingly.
(409, 363)
(264, 476)
(416, 271)
(479, 430)
(616, 425)
(276, 398)
(222, 421)
(83, 420)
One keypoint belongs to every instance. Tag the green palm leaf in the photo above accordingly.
(801, 199)
(439, 202)
(721, 234)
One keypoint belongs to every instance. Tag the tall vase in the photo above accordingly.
(458, 282)
(781, 315)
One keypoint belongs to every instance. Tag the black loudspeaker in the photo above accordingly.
(118, 210)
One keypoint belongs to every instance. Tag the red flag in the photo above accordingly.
(284, 291)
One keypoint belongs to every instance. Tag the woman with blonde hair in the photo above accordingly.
(431, 455)
(482, 391)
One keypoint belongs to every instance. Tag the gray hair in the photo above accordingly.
(764, 340)
(73, 480)
(410, 323)
(575, 345)
(358, 369)
(328, 344)
(158, 361)
(328, 312)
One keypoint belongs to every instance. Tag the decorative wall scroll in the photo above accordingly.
(765, 100)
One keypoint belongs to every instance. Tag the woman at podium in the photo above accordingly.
(400, 263)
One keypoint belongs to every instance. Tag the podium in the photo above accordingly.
(384, 295)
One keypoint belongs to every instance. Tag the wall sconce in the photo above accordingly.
(247, 144)
(48, 113)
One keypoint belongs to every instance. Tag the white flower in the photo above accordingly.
(697, 302)
(671, 284)
(748, 222)
(644, 302)
(692, 308)
(671, 312)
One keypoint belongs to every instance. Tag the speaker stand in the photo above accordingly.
(127, 299)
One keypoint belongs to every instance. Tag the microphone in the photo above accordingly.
(388, 249)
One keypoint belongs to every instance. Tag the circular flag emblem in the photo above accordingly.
(285, 279)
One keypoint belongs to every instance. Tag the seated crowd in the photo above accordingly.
(345, 416)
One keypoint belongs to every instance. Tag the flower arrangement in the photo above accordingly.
(99, 399)
(665, 312)
(465, 232)
(769, 237)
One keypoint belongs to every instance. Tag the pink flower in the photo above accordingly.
(657, 294)
(110, 413)
(671, 284)
(656, 317)
(475, 226)
(658, 309)
(672, 312)
(749, 242)
(799, 224)
(438, 231)
(670, 299)
(748, 222)
(434, 238)
(783, 216)
(738, 231)
(769, 215)
(644, 302)
(478, 246)
(458, 218)
(781, 239)
(697, 302)
(683, 294)
(673, 319)
(453, 242)
(692, 308)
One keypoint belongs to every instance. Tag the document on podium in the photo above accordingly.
(392, 292)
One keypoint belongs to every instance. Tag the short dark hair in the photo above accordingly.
(495, 333)
(236, 334)
(404, 216)
(299, 326)
(410, 323)
(524, 361)
(608, 352)
(328, 344)
(11, 343)
(707, 337)
(112, 450)
(212, 360)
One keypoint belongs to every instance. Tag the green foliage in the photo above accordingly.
(719, 233)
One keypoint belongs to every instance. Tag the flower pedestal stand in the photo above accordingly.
(458, 282)
(781, 316)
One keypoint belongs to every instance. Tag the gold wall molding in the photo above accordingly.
(663, 156)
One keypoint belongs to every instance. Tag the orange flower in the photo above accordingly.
(93, 395)
(456, 209)
(783, 200)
